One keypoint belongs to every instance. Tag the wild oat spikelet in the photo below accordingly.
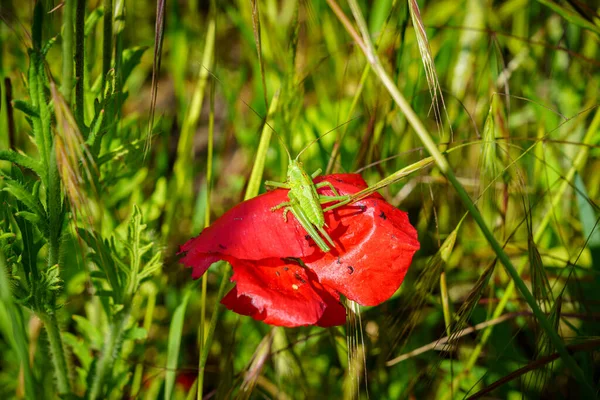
(75, 162)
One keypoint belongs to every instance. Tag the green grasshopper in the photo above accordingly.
(304, 201)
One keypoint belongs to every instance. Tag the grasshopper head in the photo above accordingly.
(294, 168)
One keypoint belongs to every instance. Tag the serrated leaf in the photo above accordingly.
(103, 258)
(20, 192)
(22, 160)
(35, 219)
(6, 236)
(151, 267)
(27, 108)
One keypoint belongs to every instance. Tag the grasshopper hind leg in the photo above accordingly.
(330, 186)
(326, 236)
(310, 228)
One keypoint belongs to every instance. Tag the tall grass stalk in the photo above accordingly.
(367, 47)
(75, 162)
(18, 329)
(107, 41)
(251, 191)
(578, 164)
(79, 63)
(209, 180)
(67, 50)
(185, 146)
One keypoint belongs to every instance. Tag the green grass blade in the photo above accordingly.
(578, 164)
(182, 170)
(211, 331)
(159, 31)
(18, 333)
(258, 168)
(571, 16)
(80, 63)
(107, 41)
(258, 41)
(367, 47)
(174, 343)
(209, 179)
(22, 160)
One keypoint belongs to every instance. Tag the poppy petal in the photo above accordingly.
(375, 251)
(374, 246)
(252, 231)
(282, 294)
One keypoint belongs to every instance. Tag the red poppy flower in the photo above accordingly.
(281, 275)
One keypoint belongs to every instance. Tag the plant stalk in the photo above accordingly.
(80, 65)
(107, 42)
(67, 51)
(442, 163)
(537, 236)
(107, 358)
(59, 360)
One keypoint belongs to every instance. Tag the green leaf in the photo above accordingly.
(27, 108)
(102, 256)
(261, 154)
(48, 45)
(18, 333)
(136, 333)
(33, 204)
(92, 20)
(571, 16)
(131, 59)
(22, 160)
(88, 330)
(174, 344)
(31, 217)
(79, 348)
(587, 215)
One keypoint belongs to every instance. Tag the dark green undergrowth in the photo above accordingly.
(128, 126)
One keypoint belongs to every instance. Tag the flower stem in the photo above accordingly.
(111, 348)
(211, 331)
(59, 360)
(139, 368)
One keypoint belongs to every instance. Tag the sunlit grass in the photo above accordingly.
(120, 140)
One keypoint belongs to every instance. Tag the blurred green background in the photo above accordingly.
(510, 95)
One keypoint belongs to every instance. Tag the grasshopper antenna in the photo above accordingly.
(273, 129)
(276, 133)
(257, 114)
(326, 133)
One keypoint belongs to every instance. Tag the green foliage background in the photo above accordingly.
(120, 140)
